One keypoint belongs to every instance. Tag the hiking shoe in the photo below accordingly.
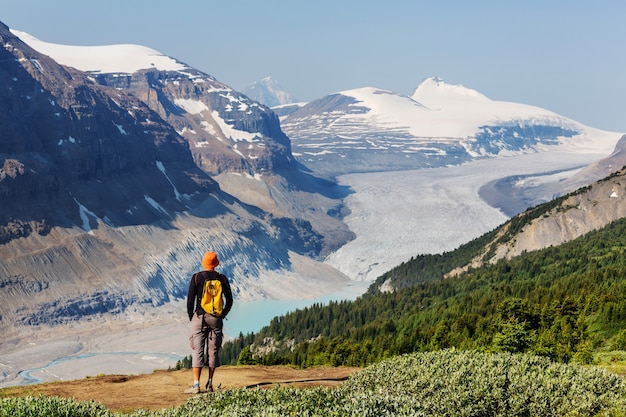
(193, 390)
(209, 388)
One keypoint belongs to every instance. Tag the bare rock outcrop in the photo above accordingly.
(226, 131)
(589, 208)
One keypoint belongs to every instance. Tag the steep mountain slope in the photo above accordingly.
(105, 212)
(69, 143)
(589, 208)
(370, 129)
(231, 137)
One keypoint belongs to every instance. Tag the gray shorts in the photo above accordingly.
(207, 332)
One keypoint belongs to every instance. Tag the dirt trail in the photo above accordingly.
(164, 389)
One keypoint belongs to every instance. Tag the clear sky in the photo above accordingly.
(568, 56)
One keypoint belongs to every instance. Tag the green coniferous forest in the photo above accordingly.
(567, 303)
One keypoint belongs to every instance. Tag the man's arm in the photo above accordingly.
(228, 294)
(192, 294)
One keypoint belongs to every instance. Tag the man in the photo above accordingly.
(209, 300)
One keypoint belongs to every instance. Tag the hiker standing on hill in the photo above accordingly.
(208, 302)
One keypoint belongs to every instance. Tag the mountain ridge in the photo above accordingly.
(212, 117)
(371, 129)
(71, 148)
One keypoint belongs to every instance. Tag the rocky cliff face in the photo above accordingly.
(106, 199)
(588, 208)
(226, 131)
(68, 142)
(566, 218)
(76, 159)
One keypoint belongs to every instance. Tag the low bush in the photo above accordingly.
(50, 407)
(443, 383)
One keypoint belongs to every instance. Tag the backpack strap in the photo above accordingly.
(195, 277)
(198, 297)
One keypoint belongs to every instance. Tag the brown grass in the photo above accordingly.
(164, 389)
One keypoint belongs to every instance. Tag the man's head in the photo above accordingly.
(210, 261)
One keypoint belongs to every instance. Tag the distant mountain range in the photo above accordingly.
(370, 129)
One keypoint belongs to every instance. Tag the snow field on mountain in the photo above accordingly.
(436, 113)
(125, 58)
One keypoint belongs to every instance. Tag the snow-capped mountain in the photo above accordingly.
(226, 131)
(231, 137)
(370, 129)
(120, 59)
(107, 198)
(267, 91)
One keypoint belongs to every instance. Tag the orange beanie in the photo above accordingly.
(210, 261)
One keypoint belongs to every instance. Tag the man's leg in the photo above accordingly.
(214, 344)
(196, 374)
(197, 340)
(209, 384)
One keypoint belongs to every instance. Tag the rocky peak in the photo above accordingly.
(268, 92)
(68, 141)
(226, 131)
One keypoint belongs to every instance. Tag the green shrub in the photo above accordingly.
(619, 342)
(443, 383)
(50, 407)
(451, 383)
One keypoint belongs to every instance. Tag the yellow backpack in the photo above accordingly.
(211, 301)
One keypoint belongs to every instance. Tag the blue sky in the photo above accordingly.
(565, 56)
